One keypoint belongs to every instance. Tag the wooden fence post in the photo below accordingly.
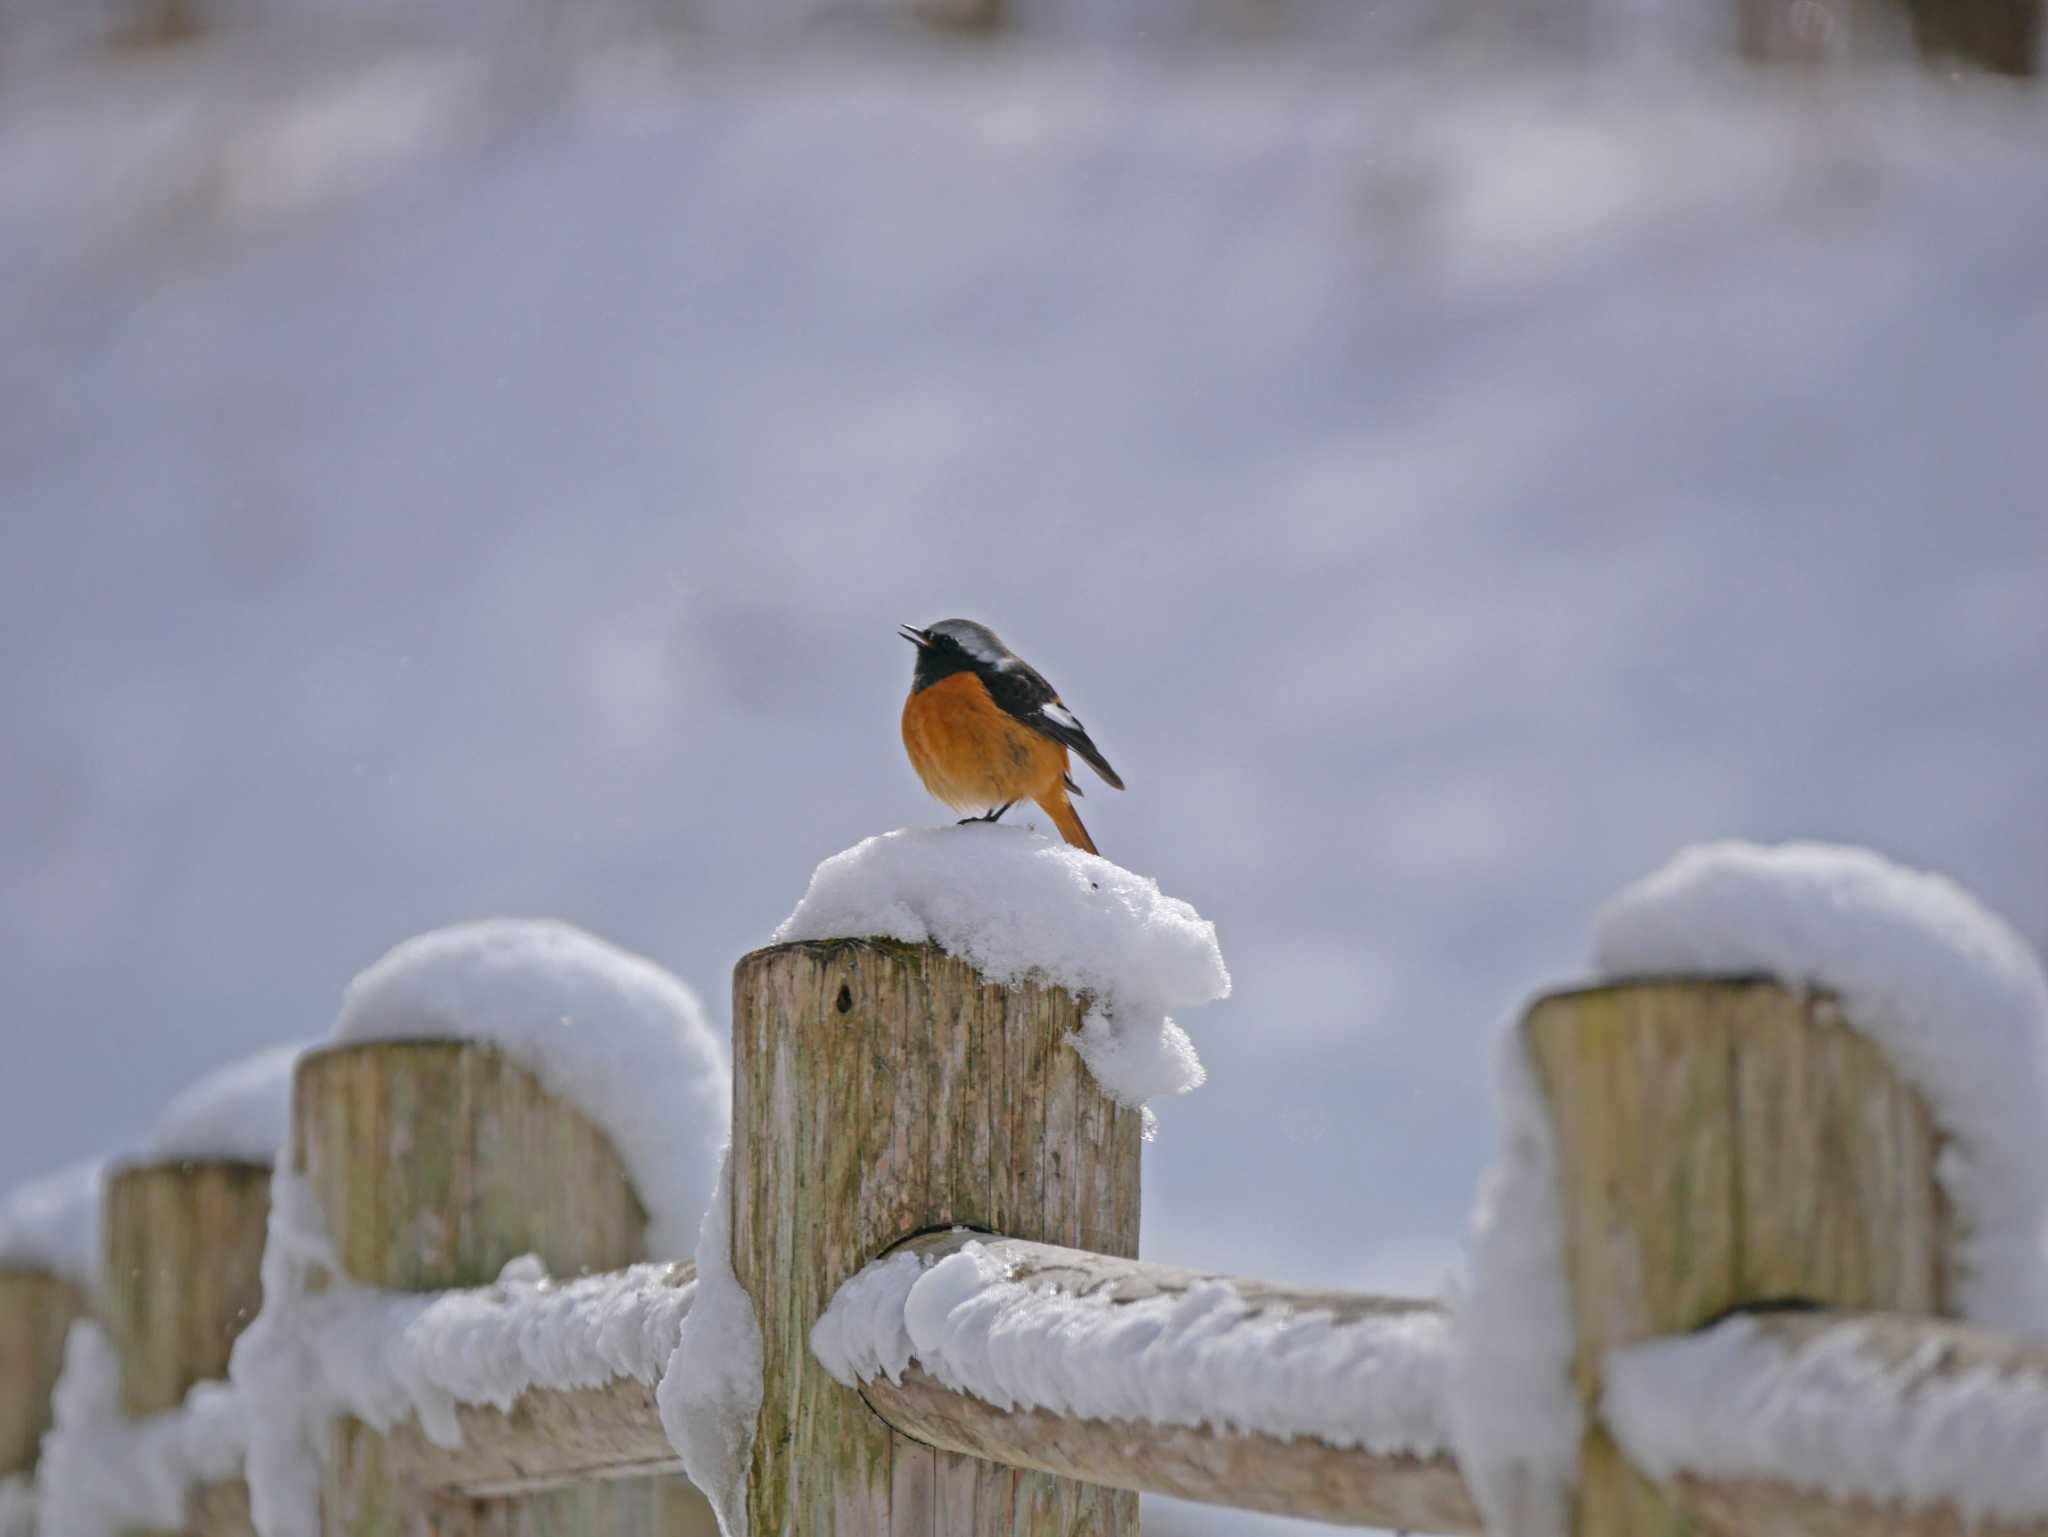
(435, 1163)
(183, 1272)
(1722, 1144)
(882, 1090)
(182, 1275)
(37, 1310)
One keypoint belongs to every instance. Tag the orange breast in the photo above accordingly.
(969, 753)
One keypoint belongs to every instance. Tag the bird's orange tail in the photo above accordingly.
(1066, 819)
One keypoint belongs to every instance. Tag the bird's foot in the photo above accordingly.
(987, 816)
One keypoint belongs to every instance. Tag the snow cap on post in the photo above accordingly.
(903, 1062)
(53, 1223)
(1019, 907)
(240, 1111)
(1804, 1073)
(1947, 989)
(623, 1040)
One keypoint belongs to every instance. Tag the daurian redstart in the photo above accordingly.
(985, 731)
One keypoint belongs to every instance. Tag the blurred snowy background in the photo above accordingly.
(472, 460)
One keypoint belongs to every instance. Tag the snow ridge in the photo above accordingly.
(1205, 1357)
(1833, 1414)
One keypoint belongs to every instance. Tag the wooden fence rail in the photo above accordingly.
(1719, 1145)
(1298, 1476)
(551, 1439)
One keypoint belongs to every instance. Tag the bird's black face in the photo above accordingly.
(944, 649)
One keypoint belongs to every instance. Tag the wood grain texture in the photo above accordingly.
(183, 1272)
(435, 1162)
(546, 1439)
(1301, 1477)
(36, 1312)
(879, 1091)
(438, 1161)
(1722, 1143)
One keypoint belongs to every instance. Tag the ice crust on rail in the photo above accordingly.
(383, 1356)
(1832, 1415)
(1021, 907)
(1949, 991)
(1205, 1357)
(387, 1355)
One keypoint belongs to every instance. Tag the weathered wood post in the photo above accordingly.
(1722, 1144)
(183, 1272)
(37, 1310)
(882, 1090)
(182, 1246)
(435, 1162)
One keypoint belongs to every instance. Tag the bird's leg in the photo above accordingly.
(987, 816)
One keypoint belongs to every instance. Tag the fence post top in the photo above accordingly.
(1674, 981)
(896, 949)
(425, 1042)
(128, 1170)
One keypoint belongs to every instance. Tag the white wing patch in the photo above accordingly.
(1060, 716)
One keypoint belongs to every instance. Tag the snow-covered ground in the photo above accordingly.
(437, 487)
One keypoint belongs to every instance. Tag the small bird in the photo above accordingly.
(985, 731)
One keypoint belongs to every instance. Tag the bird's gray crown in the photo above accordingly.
(977, 640)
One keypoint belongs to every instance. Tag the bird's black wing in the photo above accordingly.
(1019, 690)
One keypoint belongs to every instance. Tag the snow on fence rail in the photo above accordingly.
(916, 1306)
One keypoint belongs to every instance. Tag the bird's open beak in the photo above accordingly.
(914, 635)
